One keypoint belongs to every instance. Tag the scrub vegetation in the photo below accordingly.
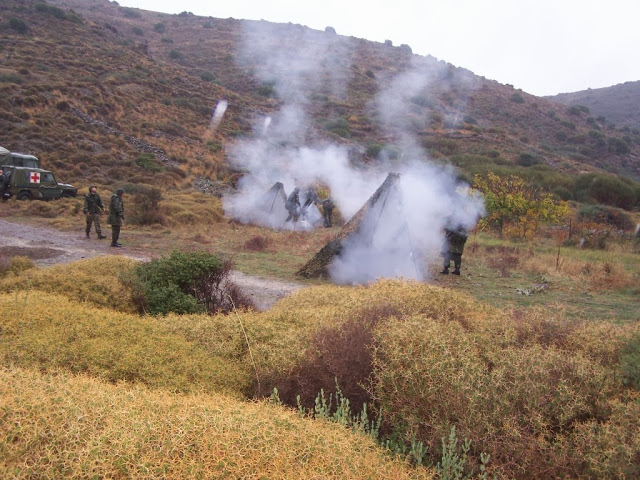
(526, 366)
(537, 390)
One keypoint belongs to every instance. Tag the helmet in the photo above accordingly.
(120, 191)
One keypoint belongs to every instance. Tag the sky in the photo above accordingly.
(543, 47)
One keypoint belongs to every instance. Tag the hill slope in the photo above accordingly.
(617, 104)
(90, 86)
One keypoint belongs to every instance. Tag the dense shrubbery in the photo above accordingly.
(606, 189)
(546, 397)
(195, 282)
(18, 25)
(605, 215)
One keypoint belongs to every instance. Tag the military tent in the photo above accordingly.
(371, 231)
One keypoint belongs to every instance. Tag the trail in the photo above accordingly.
(47, 246)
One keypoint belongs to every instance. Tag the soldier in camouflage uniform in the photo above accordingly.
(452, 249)
(116, 216)
(327, 210)
(93, 207)
(293, 206)
(4, 185)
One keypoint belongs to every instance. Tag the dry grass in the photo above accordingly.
(59, 425)
(606, 273)
(94, 281)
(51, 332)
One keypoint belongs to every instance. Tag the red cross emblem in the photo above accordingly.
(34, 177)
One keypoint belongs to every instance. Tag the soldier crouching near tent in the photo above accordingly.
(452, 248)
(93, 207)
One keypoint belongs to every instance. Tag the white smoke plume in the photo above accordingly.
(399, 235)
(218, 113)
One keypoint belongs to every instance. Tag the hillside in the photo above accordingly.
(618, 105)
(120, 95)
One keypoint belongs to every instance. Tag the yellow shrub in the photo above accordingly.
(15, 265)
(77, 427)
(93, 280)
(49, 331)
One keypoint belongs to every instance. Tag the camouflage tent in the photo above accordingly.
(274, 199)
(362, 226)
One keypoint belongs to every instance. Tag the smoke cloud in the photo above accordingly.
(403, 231)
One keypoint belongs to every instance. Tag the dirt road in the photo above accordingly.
(47, 246)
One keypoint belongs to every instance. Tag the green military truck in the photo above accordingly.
(27, 183)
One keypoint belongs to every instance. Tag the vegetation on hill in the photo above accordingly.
(124, 95)
(616, 106)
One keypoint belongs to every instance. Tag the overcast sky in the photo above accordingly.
(544, 47)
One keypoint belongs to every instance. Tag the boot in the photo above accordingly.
(445, 271)
(101, 236)
(87, 233)
(116, 245)
(456, 271)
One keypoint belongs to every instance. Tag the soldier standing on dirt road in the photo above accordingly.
(93, 207)
(116, 216)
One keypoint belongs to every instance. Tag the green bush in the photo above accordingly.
(607, 190)
(137, 31)
(191, 282)
(267, 90)
(374, 150)
(148, 162)
(605, 215)
(618, 146)
(146, 209)
(130, 12)
(18, 25)
(517, 98)
(10, 78)
(51, 10)
(159, 27)
(630, 363)
(175, 55)
(207, 76)
(526, 159)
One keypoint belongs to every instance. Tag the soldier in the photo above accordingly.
(452, 248)
(93, 207)
(293, 206)
(327, 210)
(4, 185)
(116, 216)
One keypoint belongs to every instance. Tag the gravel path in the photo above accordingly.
(47, 246)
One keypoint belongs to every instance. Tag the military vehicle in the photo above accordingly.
(18, 159)
(28, 183)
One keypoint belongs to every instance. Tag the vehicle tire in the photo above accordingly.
(24, 196)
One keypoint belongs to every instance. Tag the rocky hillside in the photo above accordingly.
(618, 105)
(120, 95)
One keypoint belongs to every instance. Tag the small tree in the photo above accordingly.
(517, 207)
